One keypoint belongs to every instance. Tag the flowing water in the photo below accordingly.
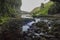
(28, 24)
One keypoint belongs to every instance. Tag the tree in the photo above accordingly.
(9, 7)
(42, 5)
(54, 9)
(55, 0)
(9, 28)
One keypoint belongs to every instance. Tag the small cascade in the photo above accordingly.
(27, 26)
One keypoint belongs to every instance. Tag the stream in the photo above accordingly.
(31, 31)
(36, 20)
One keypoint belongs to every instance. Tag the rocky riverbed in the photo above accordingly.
(32, 31)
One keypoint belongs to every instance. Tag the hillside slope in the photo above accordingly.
(42, 11)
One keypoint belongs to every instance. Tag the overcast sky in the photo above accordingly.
(29, 5)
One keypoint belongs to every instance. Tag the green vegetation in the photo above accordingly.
(3, 19)
(9, 23)
(8, 9)
(42, 11)
(55, 9)
(56, 1)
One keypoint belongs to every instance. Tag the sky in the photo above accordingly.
(29, 5)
